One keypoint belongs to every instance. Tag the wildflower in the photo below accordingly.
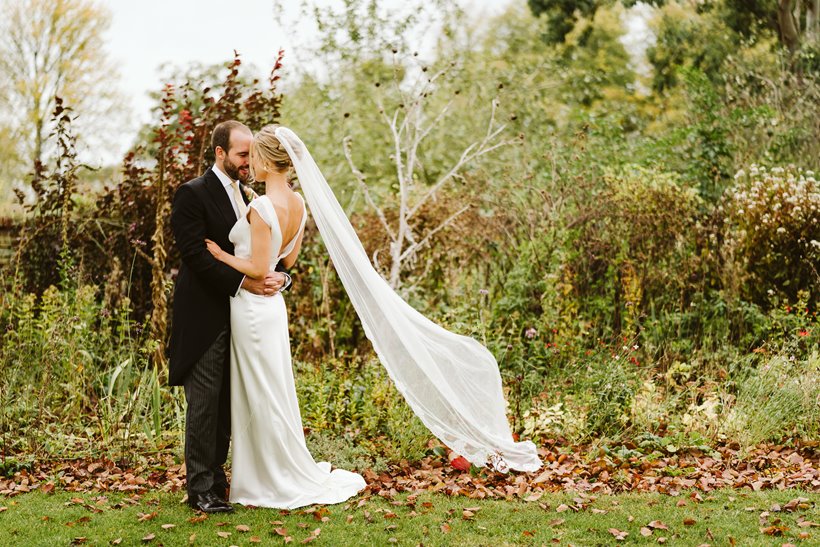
(483, 292)
(803, 333)
(530, 333)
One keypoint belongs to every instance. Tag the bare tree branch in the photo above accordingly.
(415, 247)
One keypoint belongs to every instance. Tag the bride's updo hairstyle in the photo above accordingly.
(270, 152)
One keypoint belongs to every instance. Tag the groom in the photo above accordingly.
(208, 207)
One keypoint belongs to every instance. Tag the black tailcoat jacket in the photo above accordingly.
(201, 209)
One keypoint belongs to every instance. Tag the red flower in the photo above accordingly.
(803, 333)
(460, 463)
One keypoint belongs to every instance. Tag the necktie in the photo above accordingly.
(237, 197)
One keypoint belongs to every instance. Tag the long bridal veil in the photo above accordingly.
(451, 382)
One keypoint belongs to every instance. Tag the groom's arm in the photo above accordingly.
(188, 225)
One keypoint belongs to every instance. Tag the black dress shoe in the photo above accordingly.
(208, 502)
(220, 491)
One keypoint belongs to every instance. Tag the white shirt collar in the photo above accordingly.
(223, 178)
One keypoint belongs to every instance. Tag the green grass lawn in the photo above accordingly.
(726, 517)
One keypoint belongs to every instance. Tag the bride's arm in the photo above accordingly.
(259, 264)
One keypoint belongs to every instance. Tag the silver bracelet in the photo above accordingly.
(287, 283)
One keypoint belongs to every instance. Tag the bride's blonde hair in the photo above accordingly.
(272, 153)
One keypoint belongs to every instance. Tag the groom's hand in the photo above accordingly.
(268, 286)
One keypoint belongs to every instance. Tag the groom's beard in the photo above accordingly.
(235, 172)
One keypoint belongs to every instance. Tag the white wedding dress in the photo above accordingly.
(272, 466)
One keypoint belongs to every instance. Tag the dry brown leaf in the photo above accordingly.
(254, 539)
(646, 532)
(561, 508)
(224, 535)
(199, 518)
(445, 528)
(658, 525)
(145, 517)
(168, 526)
(313, 535)
(618, 534)
(243, 528)
(148, 538)
(774, 530)
(688, 521)
(281, 531)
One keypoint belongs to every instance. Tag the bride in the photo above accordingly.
(450, 381)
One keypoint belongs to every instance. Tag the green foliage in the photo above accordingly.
(561, 15)
(679, 27)
(709, 148)
(777, 399)
(66, 356)
(617, 270)
(357, 399)
(628, 285)
(613, 390)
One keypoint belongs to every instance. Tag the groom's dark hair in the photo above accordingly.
(222, 134)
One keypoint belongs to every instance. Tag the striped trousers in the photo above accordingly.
(208, 418)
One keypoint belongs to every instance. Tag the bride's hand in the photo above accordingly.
(214, 249)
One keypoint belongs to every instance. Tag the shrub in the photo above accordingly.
(634, 250)
(780, 399)
(771, 234)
